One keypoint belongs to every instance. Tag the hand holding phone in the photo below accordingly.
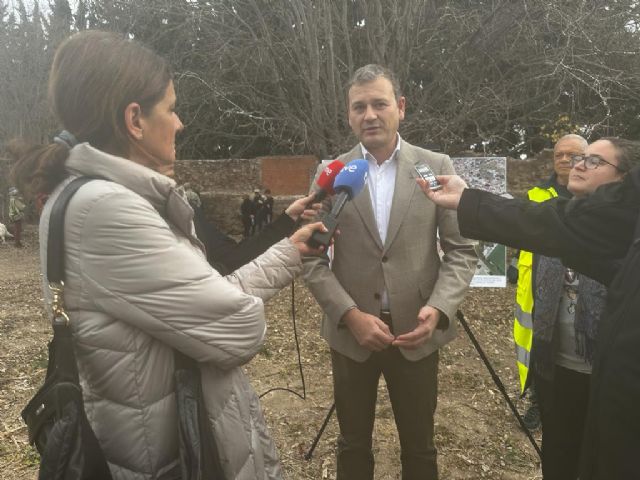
(423, 170)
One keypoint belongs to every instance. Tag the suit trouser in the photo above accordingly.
(563, 411)
(412, 387)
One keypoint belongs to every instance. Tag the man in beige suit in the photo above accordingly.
(389, 300)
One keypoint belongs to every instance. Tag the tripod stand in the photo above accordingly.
(492, 372)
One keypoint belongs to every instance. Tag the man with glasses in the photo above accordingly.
(566, 147)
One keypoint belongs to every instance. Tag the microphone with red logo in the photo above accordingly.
(348, 183)
(323, 186)
(324, 183)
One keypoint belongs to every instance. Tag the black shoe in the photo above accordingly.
(531, 417)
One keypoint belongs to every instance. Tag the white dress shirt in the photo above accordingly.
(381, 182)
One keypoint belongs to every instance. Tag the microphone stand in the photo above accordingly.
(492, 372)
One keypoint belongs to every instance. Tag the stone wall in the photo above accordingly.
(222, 184)
(290, 175)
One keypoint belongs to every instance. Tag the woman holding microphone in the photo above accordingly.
(138, 284)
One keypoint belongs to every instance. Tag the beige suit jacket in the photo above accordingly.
(408, 263)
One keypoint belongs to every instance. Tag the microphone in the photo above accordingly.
(348, 183)
(324, 183)
(323, 186)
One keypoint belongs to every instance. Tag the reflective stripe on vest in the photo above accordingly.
(523, 323)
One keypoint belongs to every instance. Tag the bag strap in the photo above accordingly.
(55, 239)
(61, 354)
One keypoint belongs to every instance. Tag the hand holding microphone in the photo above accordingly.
(300, 239)
(306, 208)
(325, 183)
(303, 209)
(348, 183)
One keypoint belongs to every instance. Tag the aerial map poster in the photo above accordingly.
(487, 173)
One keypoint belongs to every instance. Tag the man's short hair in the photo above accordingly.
(372, 72)
(574, 136)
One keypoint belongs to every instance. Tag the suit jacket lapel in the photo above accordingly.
(362, 202)
(403, 191)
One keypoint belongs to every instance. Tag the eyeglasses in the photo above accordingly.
(591, 162)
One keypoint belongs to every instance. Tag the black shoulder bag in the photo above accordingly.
(55, 416)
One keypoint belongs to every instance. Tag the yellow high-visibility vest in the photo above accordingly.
(523, 323)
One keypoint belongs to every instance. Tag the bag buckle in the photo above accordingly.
(60, 317)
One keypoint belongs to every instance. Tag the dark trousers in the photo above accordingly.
(17, 233)
(247, 225)
(412, 387)
(563, 409)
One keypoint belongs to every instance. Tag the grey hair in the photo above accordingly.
(372, 72)
(572, 136)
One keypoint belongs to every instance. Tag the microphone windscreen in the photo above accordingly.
(352, 178)
(328, 175)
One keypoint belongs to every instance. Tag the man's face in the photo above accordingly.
(375, 114)
(562, 155)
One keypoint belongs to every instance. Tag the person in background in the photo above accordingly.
(598, 235)
(248, 214)
(556, 185)
(16, 215)
(268, 206)
(138, 285)
(388, 298)
(258, 205)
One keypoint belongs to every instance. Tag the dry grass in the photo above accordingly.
(476, 434)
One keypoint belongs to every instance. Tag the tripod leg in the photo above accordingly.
(497, 381)
(309, 454)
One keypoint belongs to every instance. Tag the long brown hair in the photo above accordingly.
(94, 76)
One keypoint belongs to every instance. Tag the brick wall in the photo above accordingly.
(288, 175)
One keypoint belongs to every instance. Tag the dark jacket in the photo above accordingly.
(598, 236)
(226, 255)
(247, 208)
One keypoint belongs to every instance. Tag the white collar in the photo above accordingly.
(394, 155)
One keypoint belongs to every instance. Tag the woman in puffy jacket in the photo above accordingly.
(138, 284)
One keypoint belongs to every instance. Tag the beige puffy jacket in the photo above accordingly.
(138, 286)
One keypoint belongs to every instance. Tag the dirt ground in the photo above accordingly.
(476, 434)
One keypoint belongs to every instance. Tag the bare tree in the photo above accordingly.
(257, 77)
